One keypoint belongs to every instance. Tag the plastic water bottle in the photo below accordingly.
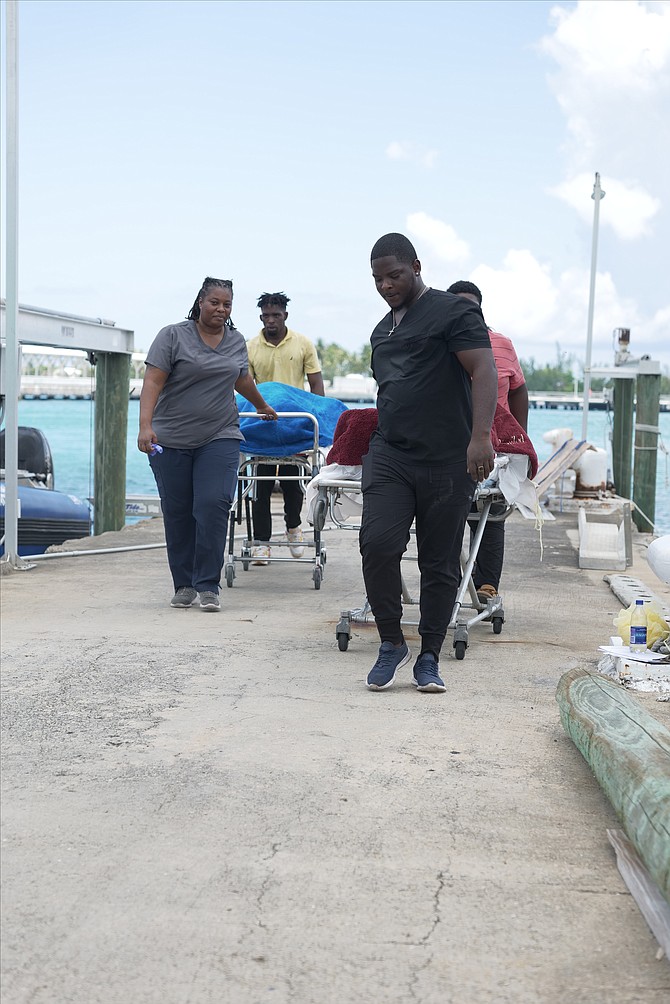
(638, 628)
(155, 448)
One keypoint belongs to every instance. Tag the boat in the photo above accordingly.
(46, 516)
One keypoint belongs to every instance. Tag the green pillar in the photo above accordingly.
(646, 450)
(622, 435)
(112, 390)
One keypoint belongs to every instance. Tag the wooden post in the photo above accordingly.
(112, 390)
(622, 436)
(629, 753)
(646, 450)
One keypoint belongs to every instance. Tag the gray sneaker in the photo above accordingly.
(183, 597)
(210, 602)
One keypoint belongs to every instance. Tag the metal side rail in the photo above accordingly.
(308, 464)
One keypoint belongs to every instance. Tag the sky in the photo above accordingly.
(272, 143)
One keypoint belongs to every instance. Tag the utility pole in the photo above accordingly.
(597, 195)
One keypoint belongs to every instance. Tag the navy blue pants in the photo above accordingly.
(293, 499)
(197, 488)
(438, 499)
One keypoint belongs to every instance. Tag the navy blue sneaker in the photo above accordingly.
(426, 676)
(389, 661)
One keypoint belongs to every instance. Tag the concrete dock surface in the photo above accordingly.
(209, 807)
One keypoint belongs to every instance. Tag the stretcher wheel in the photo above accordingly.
(497, 624)
(320, 514)
(459, 649)
(230, 575)
(317, 576)
(342, 641)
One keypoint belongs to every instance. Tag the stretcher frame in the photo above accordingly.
(308, 463)
(489, 503)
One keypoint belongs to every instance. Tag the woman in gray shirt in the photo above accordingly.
(190, 428)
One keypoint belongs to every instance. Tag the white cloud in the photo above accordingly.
(627, 208)
(612, 82)
(614, 45)
(397, 151)
(441, 239)
(613, 72)
(407, 151)
(611, 79)
(547, 316)
(520, 296)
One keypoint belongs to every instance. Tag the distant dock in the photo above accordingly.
(49, 388)
(546, 401)
(56, 388)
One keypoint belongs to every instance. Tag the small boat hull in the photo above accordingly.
(46, 517)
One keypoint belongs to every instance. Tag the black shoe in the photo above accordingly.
(426, 676)
(389, 660)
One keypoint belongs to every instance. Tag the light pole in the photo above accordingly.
(12, 379)
(597, 195)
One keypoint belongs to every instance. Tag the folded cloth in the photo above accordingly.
(351, 438)
(507, 436)
(348, 503)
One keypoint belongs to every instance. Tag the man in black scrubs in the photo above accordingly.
(432, 360)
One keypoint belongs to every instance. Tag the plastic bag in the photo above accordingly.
(657, 627)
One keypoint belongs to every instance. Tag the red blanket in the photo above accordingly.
(355, 426)
(352, 436)
(507, 436)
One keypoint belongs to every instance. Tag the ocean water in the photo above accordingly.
(69, 425)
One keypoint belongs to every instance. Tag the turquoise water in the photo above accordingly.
(68, 425)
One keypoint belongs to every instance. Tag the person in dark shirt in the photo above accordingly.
(432, 360)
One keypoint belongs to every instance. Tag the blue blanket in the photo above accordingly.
(288, 435)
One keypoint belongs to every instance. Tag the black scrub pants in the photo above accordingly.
(395, 493)
(293, 499)
(489, 561)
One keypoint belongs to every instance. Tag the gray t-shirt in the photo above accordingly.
(197, 403)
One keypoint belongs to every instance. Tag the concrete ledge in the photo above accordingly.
(602, 543)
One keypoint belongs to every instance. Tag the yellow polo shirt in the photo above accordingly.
(289, 362)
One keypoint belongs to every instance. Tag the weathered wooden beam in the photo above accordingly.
(647, 433)
(629, 753)
(111, 434)
(622, 436)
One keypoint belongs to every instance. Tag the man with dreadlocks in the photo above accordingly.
(190, 428)
(284, 356)
(432, 360)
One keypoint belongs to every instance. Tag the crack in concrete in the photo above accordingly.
(436, 908)
(424, 941)
(274, 850)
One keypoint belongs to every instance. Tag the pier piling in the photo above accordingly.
(111, 431)
(622, 435)
(646, 450)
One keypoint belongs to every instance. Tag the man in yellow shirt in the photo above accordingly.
(284, 356)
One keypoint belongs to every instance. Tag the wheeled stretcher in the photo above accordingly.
(340, 499)
(308, 464)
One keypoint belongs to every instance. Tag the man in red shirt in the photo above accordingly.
(513, 397)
